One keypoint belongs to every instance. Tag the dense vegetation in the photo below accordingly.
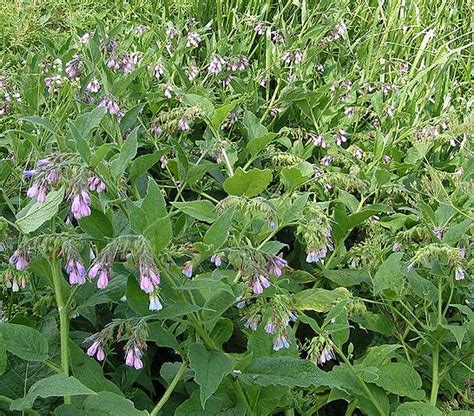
(236, 207)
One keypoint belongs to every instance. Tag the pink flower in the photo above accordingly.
(80, 207)
(133, 358)
(104, 277)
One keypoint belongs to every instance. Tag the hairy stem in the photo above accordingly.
(63, 319)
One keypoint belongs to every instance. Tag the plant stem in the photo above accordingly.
(170, 389)
(63, 319)
(370, 396)
(435, 377)
(241, 395)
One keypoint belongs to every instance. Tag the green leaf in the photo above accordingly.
(398, 378)
(209, 367)
(130, 117)
(162, 336)
(154, 205)
(248, 184)
(25, 342)
(81, 145)
(389, 276)
(87, 122)
(423, 288)
(38, 214)
(417, 409)
(318, 299)
(347, 277)
(221, 113)
(286, 371)
(217, 233)
(159, 234)
(255, 145)
(40, 121)
(380, 354)
(216, 406)
(142, 163)
(253, 127)
(375, 322)
(294, 176)
(102, 404)
(89, 372)
(202, 210)
(127, 153)
(194, 100)
(3, 355)
(55, 386)
(97, 225)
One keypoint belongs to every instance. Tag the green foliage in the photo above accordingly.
(236, 208)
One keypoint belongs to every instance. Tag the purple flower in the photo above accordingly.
(33, 190)
(104, 277)
(439, 232)
(396, 247)
(19, 259)
(280, 342)
(252, 323)
(97, 350)
(298, 56)
(73, 67)
(216, 65)
(270, 327)
(112, 63)
(183, 124)
(80, 207)
(276, 264)
(76, 271)
(41, 196)
(258, 284)
(216, 259)
(326, 160)
(93, 86)
(95, 184)
(133, 358)
(27, 174)
(327, 354)
(110, 105)
(188, 269)
(193, 39)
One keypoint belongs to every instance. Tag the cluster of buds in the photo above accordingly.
(177, 119)
(275, 316)
(7, 97)
(14, 279)
(75, 270)
(315, 229)
(455, 257)
(321, 350)
(45, 176)
(192, 72)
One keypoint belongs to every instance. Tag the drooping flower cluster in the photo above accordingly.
(316, 231)
(256, 268)
(321, 350)
(275, 316)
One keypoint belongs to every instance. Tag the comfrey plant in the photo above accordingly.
(235, 208)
